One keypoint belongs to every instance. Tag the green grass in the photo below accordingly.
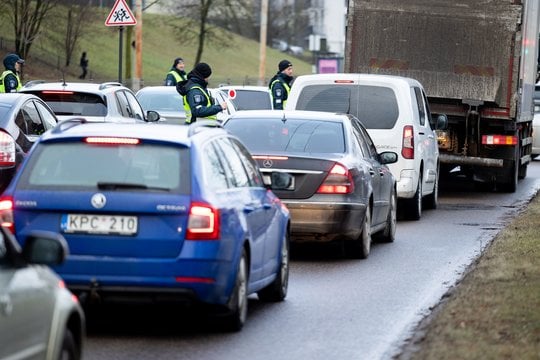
(494, 313)
(236, 61)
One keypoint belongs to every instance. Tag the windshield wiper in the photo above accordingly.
(102, 185)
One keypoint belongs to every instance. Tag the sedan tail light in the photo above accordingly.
(7, 149)
(338, 181)
(407, 150)
(6, 213)
(203, 222)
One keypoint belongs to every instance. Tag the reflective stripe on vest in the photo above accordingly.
(176, 75)
(287, 88)
(187, 109)
(3, 86)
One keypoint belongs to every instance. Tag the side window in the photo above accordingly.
(428, 112)
(239, 177)
(367, 143)
(123, 104)
(136, 110)
(49, 121)
(250, 165)
(421, 106)
(214, 173)
(33, 125)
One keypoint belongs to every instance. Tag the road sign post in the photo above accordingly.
(120, 16)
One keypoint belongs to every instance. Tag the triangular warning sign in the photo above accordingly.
(120, 15)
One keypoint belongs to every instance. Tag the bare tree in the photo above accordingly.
(77, 16)
(27, 17)
(196, 27)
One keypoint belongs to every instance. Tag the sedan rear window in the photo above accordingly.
(375, 106)
(292, 135)
(252, 100)
(108, 167)
(73, 103)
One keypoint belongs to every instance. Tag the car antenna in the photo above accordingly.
(284, 118)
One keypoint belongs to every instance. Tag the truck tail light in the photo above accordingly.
(6, 213)
(338, 181)
(499, 140)
(203, 222)
(7, 149)
(407, 149)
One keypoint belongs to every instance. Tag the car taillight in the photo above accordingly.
(407, 150)
(338, 181)
(6, 213)
(203, 222)
(7, 149)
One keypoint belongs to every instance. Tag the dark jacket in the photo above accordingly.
(197, 98)
(170, 80)
(280, 89)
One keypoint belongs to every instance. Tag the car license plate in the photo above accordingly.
(99, 224)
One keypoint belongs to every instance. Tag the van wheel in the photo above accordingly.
(431, 201)
(277, 289)
(413, 207)
(360, 248)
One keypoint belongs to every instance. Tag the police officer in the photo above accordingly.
(10, 81)
(198, 101)
(280, 84)
(177, 73)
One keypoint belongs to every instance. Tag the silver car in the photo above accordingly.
(39, 317)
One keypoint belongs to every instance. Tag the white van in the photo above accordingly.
(396, 114)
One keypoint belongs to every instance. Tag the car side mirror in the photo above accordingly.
(45, 247)
(388, 157)
(441, 122)
(152, 116)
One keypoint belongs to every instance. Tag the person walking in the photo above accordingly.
(280, 84)
(10, 81)
(83, 63)
(198, 102)
(177, 73)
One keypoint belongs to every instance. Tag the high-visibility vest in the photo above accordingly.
(187, 109)
(176, 75)
(3, 86)
(287, 88)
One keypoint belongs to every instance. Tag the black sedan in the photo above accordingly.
(342, 189)
(23, 118)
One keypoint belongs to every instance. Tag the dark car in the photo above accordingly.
(171, 213)
(23, 118)
(342, 188)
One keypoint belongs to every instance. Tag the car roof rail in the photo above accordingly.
(68, 124)
(201, 125)
(109, 84)
(31, 83)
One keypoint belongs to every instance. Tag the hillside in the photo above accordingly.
(235, 62)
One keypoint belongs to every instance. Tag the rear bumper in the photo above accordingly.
(324, 222)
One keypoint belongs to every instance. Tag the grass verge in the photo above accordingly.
(494, 313)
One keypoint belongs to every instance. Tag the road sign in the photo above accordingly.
(120, 15)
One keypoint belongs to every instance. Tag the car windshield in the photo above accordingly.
(159, 101)
(293, 135)
(73, 103)
(113, 167)
(375, 106)
(252, 100)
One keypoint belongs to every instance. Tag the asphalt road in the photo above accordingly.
(336, 308)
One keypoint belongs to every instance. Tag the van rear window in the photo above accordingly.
(375, 106)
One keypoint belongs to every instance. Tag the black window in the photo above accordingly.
(375, 106)
(420, 106)
(73, 103)
(237, 173)
(252, 100)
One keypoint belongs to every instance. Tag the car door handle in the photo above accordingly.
(267, 206)
(421, 133)
(371, 172)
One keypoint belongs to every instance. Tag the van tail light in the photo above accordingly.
(6, 213)
(203, 222)
(338, 181)
(407, 150)
(7, 149)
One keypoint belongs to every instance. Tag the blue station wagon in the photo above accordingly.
(151, 211)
